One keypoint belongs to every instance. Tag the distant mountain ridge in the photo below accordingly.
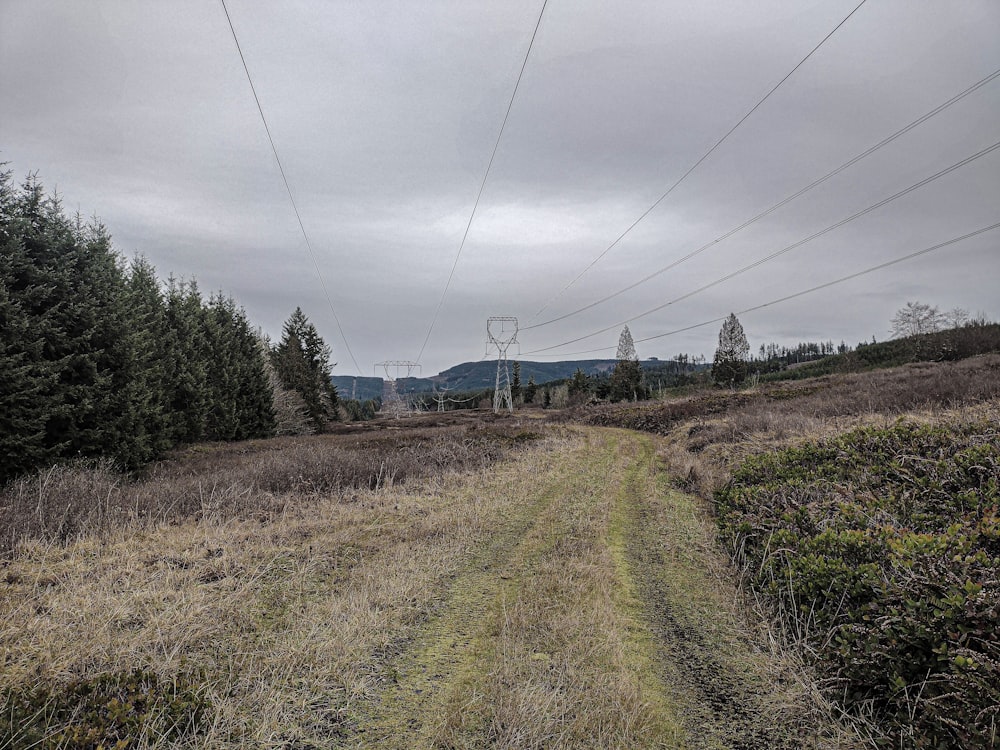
(476, 376)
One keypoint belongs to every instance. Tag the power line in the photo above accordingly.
(288, 189)
(776, 253)
(482, 186)
(818, 287)
(851, 162)
(828, 284)
(695, 165)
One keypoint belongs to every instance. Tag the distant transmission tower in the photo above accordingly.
(392, 403)
(501, 331)
(441, 397)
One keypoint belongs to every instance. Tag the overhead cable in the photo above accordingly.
(482, 186)
(771, 256)
(851, 162)
(818, 287)
(694, 166)
(291, 198)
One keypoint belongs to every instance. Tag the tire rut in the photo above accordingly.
(423, 671)
(720, 711)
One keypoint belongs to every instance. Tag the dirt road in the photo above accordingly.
(565, 599)
(598, 615)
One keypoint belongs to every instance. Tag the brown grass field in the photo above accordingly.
(460, 583)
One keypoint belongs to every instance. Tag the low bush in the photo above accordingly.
(880, 550)
(107, 711)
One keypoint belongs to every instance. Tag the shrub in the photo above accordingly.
(109, 711)
(881, 548)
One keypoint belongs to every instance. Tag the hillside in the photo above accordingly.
(476, 376)
(940, 346)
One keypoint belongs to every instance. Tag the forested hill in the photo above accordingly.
(474, 376)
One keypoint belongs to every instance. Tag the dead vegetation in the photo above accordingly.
(254, 479)
(272, 614)
(379, 589)
(459, 609)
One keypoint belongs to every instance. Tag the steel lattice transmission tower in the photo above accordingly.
(440, 397)
(501, 331)
(392, 403)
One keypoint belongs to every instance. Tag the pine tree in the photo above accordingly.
(146, 419)
(626, 379)
(530, 390)
(515, 383)
(302, 362)
(730, 365)
(578, 386)
(185, 357)
(95, 361)
(68, 285)
(104, 342)
(23, 379)
(255, 404)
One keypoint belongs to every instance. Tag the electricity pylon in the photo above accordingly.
(392, 402)
(501, 331)
(441, 396)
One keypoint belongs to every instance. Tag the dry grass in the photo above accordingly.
(509, 610)
(455, 609)
(566, 659)
(255, 479)
(532, 646)
(287, 617)
(736, 683)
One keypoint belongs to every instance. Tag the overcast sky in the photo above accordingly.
(385, 114)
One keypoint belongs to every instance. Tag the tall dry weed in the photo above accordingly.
(256, 479)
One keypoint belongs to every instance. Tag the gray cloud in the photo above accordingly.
(385, 113)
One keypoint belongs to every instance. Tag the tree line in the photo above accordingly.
(98, 358)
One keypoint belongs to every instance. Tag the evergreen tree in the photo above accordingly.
(578, 387)
(626, 379)
(515, 383)
(222, 372)
(186, 353)
(530, 390)
(730, 364)
(255, 406)
(145, 417)
(104, 342)
(23, 380)
(95, 361)
(69, 286)
(302, 362)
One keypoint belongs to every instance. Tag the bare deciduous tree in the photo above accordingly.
(916, 318)
(956, 317)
